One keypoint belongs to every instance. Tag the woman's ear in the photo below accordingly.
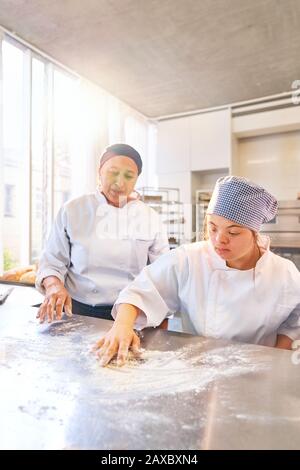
(205, 229)
(98, 179)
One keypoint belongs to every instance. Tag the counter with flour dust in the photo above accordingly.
(185, 392)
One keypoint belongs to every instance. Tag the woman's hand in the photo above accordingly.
(56, 300)
(283, 342)
(117, 342)
(120, 338)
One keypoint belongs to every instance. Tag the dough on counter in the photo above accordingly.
(131, 361)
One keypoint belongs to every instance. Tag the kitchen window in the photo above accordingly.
(55, 125)
(9, 200)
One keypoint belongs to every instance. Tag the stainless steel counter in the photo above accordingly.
(194, 394)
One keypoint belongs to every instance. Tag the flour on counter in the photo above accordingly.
(56, 357)
(55, 394)
(169, 372)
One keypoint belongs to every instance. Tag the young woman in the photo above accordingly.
(229, 286)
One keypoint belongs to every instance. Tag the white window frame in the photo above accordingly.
(92, 144)
(49, 157)
(1, 156)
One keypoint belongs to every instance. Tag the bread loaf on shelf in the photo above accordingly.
(17, 274)
(28, 277)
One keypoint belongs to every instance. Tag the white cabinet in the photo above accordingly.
(268, 122)
(194, 143)
(173, 145)
(210, 140)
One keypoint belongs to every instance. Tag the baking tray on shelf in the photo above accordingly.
(17, 283)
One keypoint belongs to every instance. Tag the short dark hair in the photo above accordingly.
(122, 149)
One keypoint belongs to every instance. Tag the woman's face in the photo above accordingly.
(118, 177)
(230, 240)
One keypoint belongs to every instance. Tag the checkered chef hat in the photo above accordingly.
(243, 202)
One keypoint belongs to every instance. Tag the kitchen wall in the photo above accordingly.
(193, 151)
(189, 149)
(273, 161)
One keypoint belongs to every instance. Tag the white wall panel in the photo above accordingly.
(211, 140)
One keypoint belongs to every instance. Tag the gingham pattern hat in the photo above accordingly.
(243, 202)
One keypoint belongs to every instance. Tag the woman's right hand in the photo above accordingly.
(56, 300)
(117, 342)
(120, 338)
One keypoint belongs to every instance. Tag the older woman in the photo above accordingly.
(99, 242)
(229, 286)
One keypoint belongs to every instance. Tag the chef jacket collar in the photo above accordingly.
(102, 199)
(220, 263)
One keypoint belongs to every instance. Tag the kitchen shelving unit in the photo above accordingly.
(166, 202)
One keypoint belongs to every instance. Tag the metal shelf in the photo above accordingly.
(171, 213)
(201, 207)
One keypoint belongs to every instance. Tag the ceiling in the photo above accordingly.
(168, 56)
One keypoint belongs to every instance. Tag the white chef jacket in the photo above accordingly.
(96, 249)
(249, 306)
